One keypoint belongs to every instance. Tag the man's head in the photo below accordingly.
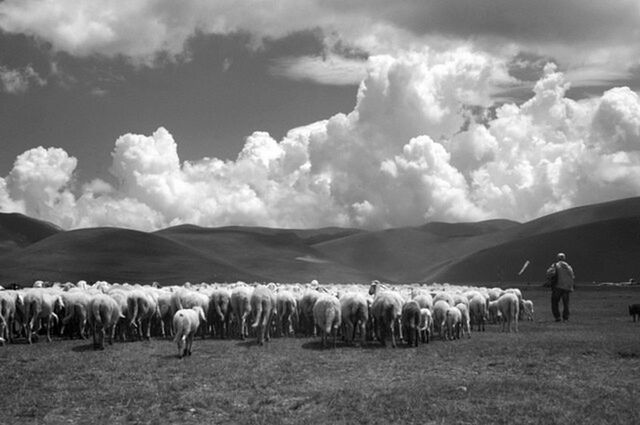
(561, 256)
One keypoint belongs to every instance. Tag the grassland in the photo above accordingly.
(584, 371)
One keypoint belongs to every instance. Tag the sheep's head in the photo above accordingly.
(374, 287)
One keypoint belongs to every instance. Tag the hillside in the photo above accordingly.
(18, 230)
(408, 253)
(606, 250)
(115, 255)
(281, 255)
(601, 240)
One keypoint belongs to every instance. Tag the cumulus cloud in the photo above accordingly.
(418, 146)
(594, 41)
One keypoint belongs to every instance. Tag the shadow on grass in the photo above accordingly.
(84, 347)
(316, 345)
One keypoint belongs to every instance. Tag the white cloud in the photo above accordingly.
(407, 153)
(330, 70)
(17, 81)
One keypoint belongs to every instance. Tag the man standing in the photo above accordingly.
(561, 277)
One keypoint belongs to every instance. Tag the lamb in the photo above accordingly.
(464, 320)
(327, 315)
(286, 313)
(386, 311)
(478, 311)
(508, 307)
(263, 303)
(220, 311)
(354, 310)
(104, 314)
(426, 324)
(185, 323)
(634, 311)
(411, 322)
(241, 308)
(452, 323)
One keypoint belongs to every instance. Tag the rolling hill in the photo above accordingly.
(18, 230)
(602, 242)
(115, 255)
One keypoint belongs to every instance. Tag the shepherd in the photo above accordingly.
(561, 278)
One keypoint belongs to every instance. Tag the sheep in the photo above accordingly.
(164, 308)
(305, 311)
(443, 296)
(40, 303)
(220, 311)
(386, 310)
(141, 306)
(478, 311)
(452, 323)
(411, 322)
(241, 308)
(10, 301)
(327, 315)
(527, 308)
(185, 323)
(634, 311)
(354, 310)
(440, 308)
(508, 307)
(76, 303)
(104, 314)
(263, 304)
(188, 298)
(286, 313)
(426, 324)
(464, 320)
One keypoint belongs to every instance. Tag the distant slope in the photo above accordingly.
(18, 230)
(115, 255)
(405, 254)
(606, 250)
(282, 255)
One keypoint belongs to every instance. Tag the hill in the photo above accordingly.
(606, 250)
(434, 251)
(115, 255)
(18, 230)
(282, 255)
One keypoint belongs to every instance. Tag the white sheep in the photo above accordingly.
(527, 308)
(426, 324)
(508, 307)
(241, 308)
(386, 310)
(104, 314)
(355, 315)
(220, 311)
(478, 311)
(327, 316)
(286, 313)
(186, 323)
(10, 301)
(41, 304)
(263, 304)
(76, 303)
(440, 308)
(305, 311)
(464, 320)
(452, 323)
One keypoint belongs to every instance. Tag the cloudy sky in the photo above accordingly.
(310, 113)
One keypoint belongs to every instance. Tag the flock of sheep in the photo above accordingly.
(409, 313)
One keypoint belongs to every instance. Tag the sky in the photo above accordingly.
(314, 113)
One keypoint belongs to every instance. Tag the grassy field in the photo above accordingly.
(584, 371)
